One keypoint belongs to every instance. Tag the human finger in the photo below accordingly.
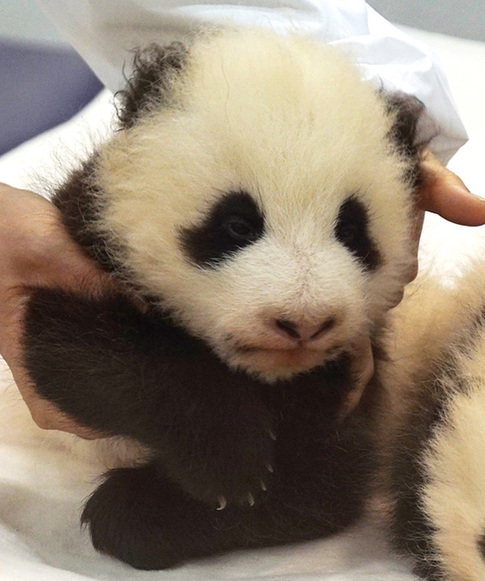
(443, 192)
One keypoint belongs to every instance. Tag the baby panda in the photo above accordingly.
(256, 210)
(433, 427)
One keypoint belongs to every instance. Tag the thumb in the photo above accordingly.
(444, 193)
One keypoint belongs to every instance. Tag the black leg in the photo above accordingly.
(141, 517)
(126, 373)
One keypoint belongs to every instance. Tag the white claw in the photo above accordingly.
(270, 468)
(251, 499)
(263, 486)
(222, 503)
(272, 435)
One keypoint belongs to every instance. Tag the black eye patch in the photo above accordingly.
(352, 230)
(233, 223)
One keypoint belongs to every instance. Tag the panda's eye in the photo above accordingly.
(233, 223)
(352, 230)
(240, 229)
(348, 233)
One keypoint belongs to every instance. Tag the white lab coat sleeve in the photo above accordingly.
(105, 33)
(392, 58)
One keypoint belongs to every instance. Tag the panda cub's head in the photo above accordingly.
(258, 191)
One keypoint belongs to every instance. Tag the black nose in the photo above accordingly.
(305, 331)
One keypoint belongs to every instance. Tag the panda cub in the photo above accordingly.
(433, 426)
(256, 209)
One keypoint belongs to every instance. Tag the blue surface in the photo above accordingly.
(41, 86)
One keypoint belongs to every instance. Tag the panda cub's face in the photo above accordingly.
(263, 203)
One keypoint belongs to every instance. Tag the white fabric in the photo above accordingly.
(106, 31)
(42, 485)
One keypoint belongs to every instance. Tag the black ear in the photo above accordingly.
(154, 71)
(407, 111)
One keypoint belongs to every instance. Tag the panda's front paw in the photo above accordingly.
(229, 461)
(249, 489)
(239, 475)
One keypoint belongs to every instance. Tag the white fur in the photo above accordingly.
(289, 121)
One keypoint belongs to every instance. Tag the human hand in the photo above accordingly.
(36, 251)
(444, 193)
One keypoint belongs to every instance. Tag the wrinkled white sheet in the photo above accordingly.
(43, 484)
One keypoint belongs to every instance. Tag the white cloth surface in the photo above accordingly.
(43, 484)
(105, 32)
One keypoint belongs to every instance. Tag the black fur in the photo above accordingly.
(142, 517)
(352, 230)
(407, 111)
(154, 71)
(235, 222)
(210, 429)
(81, 202)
